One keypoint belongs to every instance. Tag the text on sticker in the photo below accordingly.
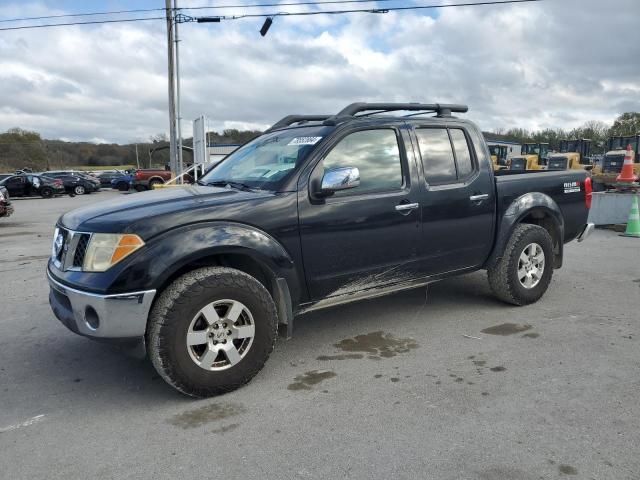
(305, 140)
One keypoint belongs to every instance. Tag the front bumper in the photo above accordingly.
(6, 210)
(119, 316)
(586, 231)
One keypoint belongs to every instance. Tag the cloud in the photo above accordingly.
(557, 63)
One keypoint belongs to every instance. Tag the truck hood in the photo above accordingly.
(152, 212)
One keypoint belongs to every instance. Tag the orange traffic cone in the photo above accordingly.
(626, 174)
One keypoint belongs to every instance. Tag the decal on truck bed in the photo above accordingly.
(571, 187)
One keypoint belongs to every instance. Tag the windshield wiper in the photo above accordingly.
(231, 183)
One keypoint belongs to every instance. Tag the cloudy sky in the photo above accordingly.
(556, 63)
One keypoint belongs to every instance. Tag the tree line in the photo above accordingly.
(23, 148)
(598, 132)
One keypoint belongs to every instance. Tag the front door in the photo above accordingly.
(15, 186)
(366, 236)
(458, 204)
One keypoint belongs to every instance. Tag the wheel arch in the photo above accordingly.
(531, 208)
(238, 246)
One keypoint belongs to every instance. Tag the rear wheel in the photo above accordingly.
(524, 272)
(46, 192)
(153, 183)
(123, 186)
(140, 188)
(79, 190)
(211, 331)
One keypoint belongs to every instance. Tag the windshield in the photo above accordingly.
(267, 161)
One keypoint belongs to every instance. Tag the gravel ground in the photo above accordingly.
(406, 386)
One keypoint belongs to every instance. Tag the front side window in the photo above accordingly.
(375, 153)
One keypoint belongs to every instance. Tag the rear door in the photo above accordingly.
(367, 236)
(458, 202)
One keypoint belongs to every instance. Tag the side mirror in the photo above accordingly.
(341, 178)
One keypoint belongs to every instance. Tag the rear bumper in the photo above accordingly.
(120, 316)
(586, 231)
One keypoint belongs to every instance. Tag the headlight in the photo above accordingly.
(1, 196)
(107, 249)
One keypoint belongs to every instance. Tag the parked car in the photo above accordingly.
(31, 185)
(75, 173)
(106, 176)
(6, 209)
(74, 184)
(316, 212)
(145, 179)
(122, 183)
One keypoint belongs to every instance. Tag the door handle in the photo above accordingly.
(477, 198)
(406, 207)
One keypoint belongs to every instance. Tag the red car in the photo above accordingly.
(145, 179)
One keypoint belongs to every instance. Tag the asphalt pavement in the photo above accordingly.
(425, 384)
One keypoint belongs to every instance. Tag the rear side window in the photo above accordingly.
(463, 156)
(437, 155)
(445, 155)
(375, 153)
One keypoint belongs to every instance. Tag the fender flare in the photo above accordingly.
(536, 203)
(171, 252)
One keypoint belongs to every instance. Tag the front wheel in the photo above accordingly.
(524, 272)
(46, 192)
(211, 331)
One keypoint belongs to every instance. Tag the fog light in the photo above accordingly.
(91, 318)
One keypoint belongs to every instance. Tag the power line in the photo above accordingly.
(281, 14)
(81, 23)
(209, 7)
(363, 10)
(89, 14)
(218, 7)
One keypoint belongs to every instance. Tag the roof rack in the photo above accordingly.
(291, 119)
(350, 111)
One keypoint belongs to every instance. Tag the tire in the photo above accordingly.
(504, 275)
(46, 192)
(140, 188)
(197, 370)
(79, 190)
(153, 183)
(122, 186)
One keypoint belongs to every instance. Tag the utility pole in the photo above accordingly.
(178, 114)
(137, 159)
(173, 157)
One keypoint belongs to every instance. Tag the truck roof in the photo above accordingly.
(360, 110)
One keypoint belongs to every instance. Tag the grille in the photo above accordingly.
(518, 164)
(558, 164)
(612, 164)
(65, 239)
(73, 251)
(81, 249)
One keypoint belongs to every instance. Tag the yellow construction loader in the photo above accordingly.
(573, 155)
(605, 173)
(499, 156)
(533, 156)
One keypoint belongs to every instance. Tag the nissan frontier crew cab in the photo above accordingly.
(319, 210)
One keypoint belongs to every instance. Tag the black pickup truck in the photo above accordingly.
(320, 210)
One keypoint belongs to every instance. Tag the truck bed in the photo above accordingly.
(565, 187)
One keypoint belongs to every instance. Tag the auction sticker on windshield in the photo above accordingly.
(305, 141)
